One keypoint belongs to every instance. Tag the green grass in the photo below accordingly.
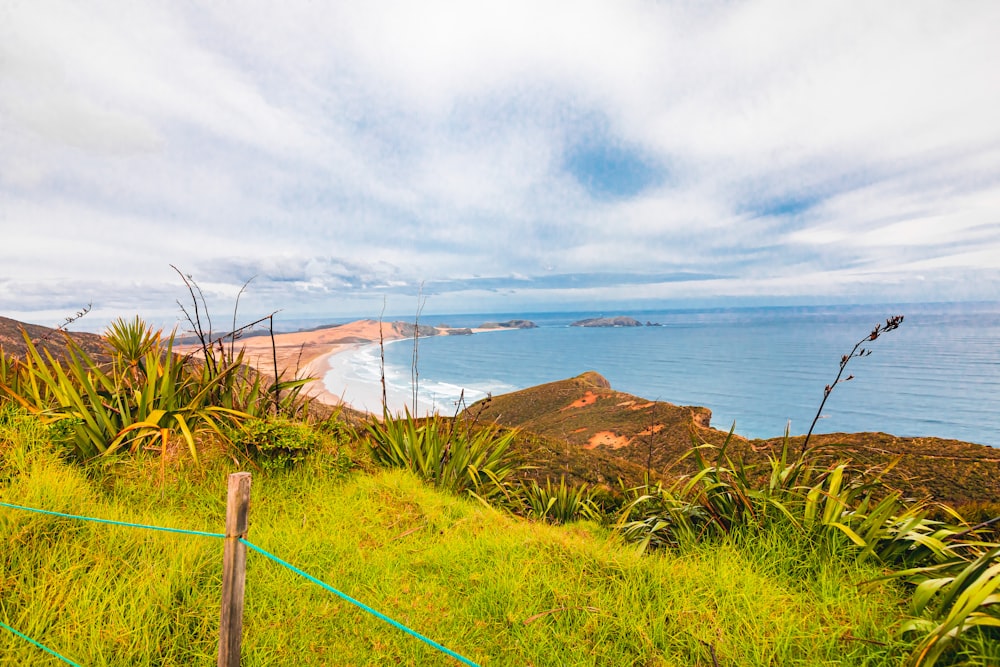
(498, 589)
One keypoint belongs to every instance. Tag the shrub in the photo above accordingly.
(274, 442)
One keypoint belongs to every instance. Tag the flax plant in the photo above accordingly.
(10, 376)
(857, 352)
(956, 578)
(958, 598)
(557, 503)
(852, 510)
(473, 460)
(144, 397)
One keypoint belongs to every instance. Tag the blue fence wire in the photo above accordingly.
(38, 644)
(361, 605)
(254, 547)
(182, 531)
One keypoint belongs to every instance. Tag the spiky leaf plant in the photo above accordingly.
(953, 602)
(131, 340)
(557, 503)
(461, 459)
(127, 404)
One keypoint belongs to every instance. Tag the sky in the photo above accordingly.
(516, 156)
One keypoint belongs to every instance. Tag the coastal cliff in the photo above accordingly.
(586, 417)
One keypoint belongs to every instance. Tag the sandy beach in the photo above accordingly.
(307, 353)
(313, 354)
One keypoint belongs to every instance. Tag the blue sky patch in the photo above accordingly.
(781, 207)
(610, 170)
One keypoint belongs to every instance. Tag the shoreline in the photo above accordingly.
(316, 353)
(353, 376)
(318, 368)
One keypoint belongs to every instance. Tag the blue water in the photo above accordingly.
(937, 375)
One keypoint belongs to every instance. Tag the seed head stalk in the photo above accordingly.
(858, 351)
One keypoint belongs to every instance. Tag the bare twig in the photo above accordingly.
(651, 438)
(408, 532)
(298, 360)
(483, 404)
(711, 651)
(547, 612)
(851, 638)
(978, 526)
(414, 370)
(381, 354)
(274, 356)
(238, 332)
(195, 321)
(446, 451)
(236, 307)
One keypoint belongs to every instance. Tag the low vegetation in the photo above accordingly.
(446, 453)
(495, 588)
(139, 394)
(797, 555)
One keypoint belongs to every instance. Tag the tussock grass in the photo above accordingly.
(498, 589)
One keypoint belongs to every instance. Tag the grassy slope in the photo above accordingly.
(500, 590)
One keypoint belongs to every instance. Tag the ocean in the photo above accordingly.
(760, 368)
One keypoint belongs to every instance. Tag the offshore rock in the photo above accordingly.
(509, 324)
(619, 321)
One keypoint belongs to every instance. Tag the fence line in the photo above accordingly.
(38, 644)
(254, 547)
(182, 531)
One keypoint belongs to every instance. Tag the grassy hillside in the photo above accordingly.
(595, 423)
(498, 589)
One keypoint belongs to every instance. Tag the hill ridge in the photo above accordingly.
(589, 416)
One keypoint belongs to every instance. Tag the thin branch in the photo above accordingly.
(195, 321)
(414, 370)
(711, 652)
(978, 526)
(298, 361)
(381, 354)
(236, 307)
(274, 356)
(236, 333)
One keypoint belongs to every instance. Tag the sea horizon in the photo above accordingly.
(762, 367)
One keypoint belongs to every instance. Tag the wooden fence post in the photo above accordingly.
(234, 562)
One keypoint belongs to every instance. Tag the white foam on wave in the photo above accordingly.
(355, 376)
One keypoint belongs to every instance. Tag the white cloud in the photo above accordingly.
(805, 149)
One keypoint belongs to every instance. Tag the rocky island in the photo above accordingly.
(618, 321)
(509, 324)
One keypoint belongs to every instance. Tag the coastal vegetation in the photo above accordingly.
(585, 430)
(727, 552)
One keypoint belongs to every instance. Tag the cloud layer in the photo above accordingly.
(506, 156)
